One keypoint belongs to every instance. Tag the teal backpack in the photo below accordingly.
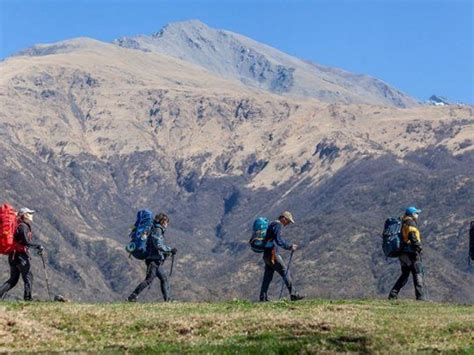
(258, 242)
(392, 237)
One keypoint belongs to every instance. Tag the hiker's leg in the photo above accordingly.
(150, 275)
(165, 286)
(267, 279)
(27, 276)
(417, 271)
(280, 267)
(402, 280)
(11, 282)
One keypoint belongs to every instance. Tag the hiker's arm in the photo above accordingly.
(21, 237)
(279, 239)
(414, 236)
(160, 243)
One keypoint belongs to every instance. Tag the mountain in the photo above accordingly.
(438, 100)
(234, 56)
(90, 132)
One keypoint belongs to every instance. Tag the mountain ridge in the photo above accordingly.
(255, 64)
(90, 135)
(262, 66)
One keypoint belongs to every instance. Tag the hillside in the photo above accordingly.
(91, 132)
(238, 327)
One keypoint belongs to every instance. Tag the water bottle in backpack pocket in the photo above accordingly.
(258, 241)
(139, 234)
(392, 237)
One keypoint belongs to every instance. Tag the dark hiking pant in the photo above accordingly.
(19, 266)
(270, 268)
(410, 264)
(153, 270)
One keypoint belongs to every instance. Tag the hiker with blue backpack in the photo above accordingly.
(272, 259)
(409, 254)
(155, 254)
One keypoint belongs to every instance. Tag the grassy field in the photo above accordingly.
(238, 327)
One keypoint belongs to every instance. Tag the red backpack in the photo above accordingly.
(8, 225)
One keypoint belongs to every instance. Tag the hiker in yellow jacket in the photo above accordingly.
(410, 256)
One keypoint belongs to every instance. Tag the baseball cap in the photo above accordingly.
(288, 216)
(412, 210)
(25, 210)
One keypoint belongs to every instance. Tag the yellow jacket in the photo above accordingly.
(410, 232)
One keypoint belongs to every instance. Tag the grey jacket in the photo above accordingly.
(156, 248)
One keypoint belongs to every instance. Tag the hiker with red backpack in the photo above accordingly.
(156, 253)
(274, 261)
(15, 241)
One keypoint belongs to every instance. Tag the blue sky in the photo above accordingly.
(419, 46)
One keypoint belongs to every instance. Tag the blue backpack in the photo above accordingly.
(392, 237)
(258, 242)
(138, 235)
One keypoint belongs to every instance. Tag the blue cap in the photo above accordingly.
(412, 210)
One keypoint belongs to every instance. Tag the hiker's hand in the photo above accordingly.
(294, 247)
(174, 251)
(418, 248)
(40, 249)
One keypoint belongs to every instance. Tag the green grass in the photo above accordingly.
(238, 327)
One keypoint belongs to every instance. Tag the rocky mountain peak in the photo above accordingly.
(438, 100)
(257, 65)
(182, 27)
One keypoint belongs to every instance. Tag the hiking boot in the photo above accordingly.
(296, 297)
(31, 299)
(132, 298)
(264, 298)
(60, 298)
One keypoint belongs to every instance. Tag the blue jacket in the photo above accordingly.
(155, 245)
(274, 234)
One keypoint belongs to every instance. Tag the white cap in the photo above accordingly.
(25, 210)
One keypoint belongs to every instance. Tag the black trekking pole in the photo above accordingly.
(286, 274)
(45, 275)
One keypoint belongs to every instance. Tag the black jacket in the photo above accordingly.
(23, 237)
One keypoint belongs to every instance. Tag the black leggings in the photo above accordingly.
(410, 264)
(153, 270)
(19, 266)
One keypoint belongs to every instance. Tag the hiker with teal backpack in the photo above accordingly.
(410, 255)
(155, 256)
(272, 259)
